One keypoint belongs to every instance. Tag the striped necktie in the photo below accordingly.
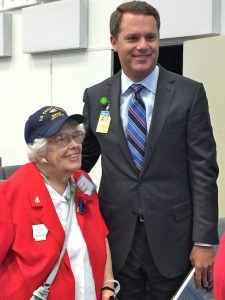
(137, 127)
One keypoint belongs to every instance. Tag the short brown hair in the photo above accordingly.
(133, 7)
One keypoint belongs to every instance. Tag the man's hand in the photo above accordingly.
(202, 259)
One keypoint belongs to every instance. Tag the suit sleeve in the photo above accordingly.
(90, 148)
(219, 271)
(203, 170)
(6, 228)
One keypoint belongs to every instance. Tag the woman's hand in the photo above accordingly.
(106, 294)
(108, 286)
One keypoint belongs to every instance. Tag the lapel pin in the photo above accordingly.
(105, 101)
(37, 200)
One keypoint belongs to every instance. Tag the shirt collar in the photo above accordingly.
(56, 197)
(149, 82)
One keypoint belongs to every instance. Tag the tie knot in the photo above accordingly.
(137, 87)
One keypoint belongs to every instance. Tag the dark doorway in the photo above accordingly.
(170, 57)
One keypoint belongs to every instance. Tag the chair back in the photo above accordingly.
(7, 171)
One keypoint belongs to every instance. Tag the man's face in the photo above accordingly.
(137, 45)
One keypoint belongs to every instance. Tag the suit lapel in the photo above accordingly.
(114, 94)
(164, 94)
(41, 200)
(41, 203)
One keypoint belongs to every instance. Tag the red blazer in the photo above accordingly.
(219, 271)
(25, 263)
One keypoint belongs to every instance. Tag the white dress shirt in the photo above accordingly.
(147, 94)
(76, 248)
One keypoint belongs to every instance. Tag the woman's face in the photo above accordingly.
(64, 149)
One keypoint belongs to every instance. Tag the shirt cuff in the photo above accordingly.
(203, 245)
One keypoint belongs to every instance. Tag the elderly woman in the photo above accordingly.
(53, 240)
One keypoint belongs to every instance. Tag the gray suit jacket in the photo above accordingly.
(177, 185)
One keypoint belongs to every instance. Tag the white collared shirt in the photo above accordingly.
(76, 248)
(147, 94)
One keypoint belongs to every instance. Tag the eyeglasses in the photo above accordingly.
(64, 139)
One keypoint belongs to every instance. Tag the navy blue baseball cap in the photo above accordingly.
(46, 122)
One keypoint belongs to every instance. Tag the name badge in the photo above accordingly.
(85, 185)
(39, 232)
(103, 122)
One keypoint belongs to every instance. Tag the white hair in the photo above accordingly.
(37, 150)
(81, 127)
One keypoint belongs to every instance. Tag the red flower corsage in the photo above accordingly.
(85, 189)
(82, 200)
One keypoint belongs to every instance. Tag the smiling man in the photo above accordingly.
(158, 191)
(137, 44)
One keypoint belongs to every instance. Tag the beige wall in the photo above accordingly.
(204, 61)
